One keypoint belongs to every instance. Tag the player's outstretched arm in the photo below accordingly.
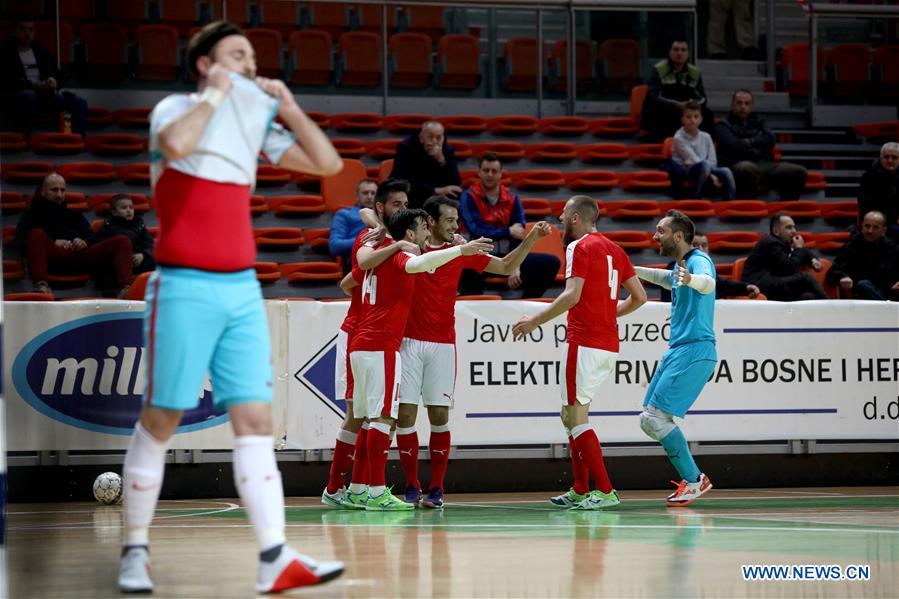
(179, 138)
(511, 261)
(567, 300)
(434, 260)
(368, 258)
(636, 298)
(703, 283)
(656, 276)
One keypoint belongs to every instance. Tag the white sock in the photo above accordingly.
(357, 488)
(577, 431)
(440, 428)
(258, 483)
(345, 436)
(405, 431)
(143, 470)
(376, 491)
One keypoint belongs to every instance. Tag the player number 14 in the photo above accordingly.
(370, 288)
(613, 280)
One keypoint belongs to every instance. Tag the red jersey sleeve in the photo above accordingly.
(577, 261)
(400, 259)
(476, 262)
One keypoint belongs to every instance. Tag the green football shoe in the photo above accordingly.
(355, 501)
(386, 502)
(568, 499)
(597, 500)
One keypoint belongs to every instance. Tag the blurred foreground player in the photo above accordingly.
(595, 271)
(691, 356)
(204, 305)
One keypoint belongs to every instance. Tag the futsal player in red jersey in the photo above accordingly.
(428, 350)
(595, 271)
(374, 347)
(350, 444)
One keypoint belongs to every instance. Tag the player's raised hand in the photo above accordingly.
(681, 274)
(524, 326)
(481, 245)
(408, 246)
(459, 240)
(541, 229)
(377, 235)
(219, 78)
(277, 89)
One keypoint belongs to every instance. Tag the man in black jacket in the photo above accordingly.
(123, 221)
(774, 264)
(723, 287)
(52, 237)
(29, 82)
(746, 145)
(868, 265)
(428, 163)
(880, 188)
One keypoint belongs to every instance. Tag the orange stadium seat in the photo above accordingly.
(519, 62)
(157, 52)
(513, 125)
(839, 213)
(405, 123)
(312, 272)
(815, 182)
(279, 15)
(651, 154)
(644, 181)
(409, 57)
(585, 61)
(56, 143)
(359, 54)
(116, 144)
(138, 288)
(11, 141)
(796, 67)
(88, 172)
(339, 190)
(278, 238)
(695, 209)
(13, 270)
(564, 126)
(311, 58)
(297, 205)
(831, 243)
(99, 202)
(538, 179)
(384, 170)
(258, 205)
(105, 49)
(320, 118)
(349, 147)
(98, 117)
(425, 19)
(317, 239)
(741, 210)
(464, 124)
(626, 126)
(733, 242)
(271, 176)
(849, 66)
(592, 179)
(551, 152)
(886, 74)
(603, 153)
(9, 236)
(462, 149)
(370, 18)
(536, 207)
(619, 61)
(132, 117)
(382, 149)
(510, 151)
(633, 209)
(879, 132)
(798, 210)
(459, 62)
(267, 272)
(267, 44)
(332, 17)
(180, 14)
(631, 241)
(75, 201)
(26, 172)
(12, 201)
(238, 11)
(135, 174)
(724, 270)
(363, 122)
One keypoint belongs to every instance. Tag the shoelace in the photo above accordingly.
(680, 487)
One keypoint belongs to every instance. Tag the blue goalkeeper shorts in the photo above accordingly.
(198, 321)
(680, 377)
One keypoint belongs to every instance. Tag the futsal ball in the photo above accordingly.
(108, 488)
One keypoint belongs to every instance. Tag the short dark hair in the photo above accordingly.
(389, 186)
(679, 39)
(118, 198)
(586, 207)
(489, 157)
(698, 233)
(681, 222)
(404, 220)
(203, 41)
(775, 220)
(692, 106)
(741, 91)
(432, 205)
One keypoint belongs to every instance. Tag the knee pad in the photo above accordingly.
(656, 423)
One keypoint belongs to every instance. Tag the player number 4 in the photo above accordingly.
(613, 280)
(370, 288)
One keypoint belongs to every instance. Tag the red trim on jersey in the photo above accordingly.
(151, 343)
(389, 383)
(571, 375)
(348, 394)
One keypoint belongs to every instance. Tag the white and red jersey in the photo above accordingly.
(603, 265)
(386, 298)
(352, 314)
(433, 313)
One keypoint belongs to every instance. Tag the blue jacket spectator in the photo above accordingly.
(346, 224)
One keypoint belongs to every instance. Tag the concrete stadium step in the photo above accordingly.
(817, 136)
(731, 83)
(764, 102)
(858, 164)
(713, 69)
(830, 150)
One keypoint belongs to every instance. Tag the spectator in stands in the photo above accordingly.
(53, 237)
(774, 264)
(880, 188)
(490, 209)
(693, 157)
(122, 221)
(868, 265)
(723, 287)
(672, 84)
(30, 83)
(428, 163)
(746, 145)
(716, 40)
(347, 223)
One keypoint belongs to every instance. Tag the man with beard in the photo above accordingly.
(691, 355)
(595, 271)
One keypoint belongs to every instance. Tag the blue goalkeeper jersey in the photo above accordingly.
(692, 313)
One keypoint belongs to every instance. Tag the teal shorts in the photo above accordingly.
(680, 377)
(199, 322)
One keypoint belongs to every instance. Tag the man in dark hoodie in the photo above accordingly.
(428, 163)
(29, 81)
(868, 265)
(122, 221)
(746, 145)
(52, 237)
(880, 189)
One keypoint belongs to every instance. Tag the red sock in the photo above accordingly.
(343, 454)
(408, 446)
(581, 484)
(360, 462)
(378, 444)
(439, 447)
(591, 453)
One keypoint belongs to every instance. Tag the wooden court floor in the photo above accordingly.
(484, 546)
